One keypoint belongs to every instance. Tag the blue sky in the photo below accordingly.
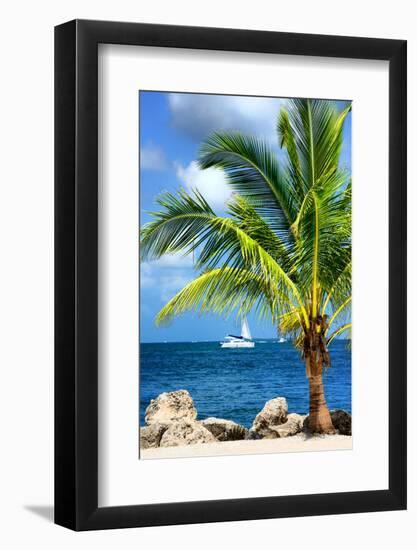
(172, 126)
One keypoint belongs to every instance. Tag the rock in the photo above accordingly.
(150, 436)
(274, 413)
(342, 421)
(225, 430)
(252, 435)
(292, 426)
(171, 407)
(186, 432)
(305, 427)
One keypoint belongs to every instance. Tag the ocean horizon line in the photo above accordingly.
(258, 340)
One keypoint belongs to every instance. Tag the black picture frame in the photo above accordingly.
(76, 272)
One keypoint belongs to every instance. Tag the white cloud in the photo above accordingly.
(168, 274)
(197, 115)
(169, 285)
(211, 183)
(153, 157)
(173, 261)
(146, 279)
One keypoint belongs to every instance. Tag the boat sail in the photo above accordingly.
(242, 341)
(245, 330)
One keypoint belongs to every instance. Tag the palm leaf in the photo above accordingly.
(186, 222)
(253, 172)
(317, 128)
(223, 291)
(344, 328)
(287, 139)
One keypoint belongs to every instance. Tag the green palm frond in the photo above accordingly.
(344, 328)
(323, 240)
(341, 288)
(317, 128)
(256, 227)
(253, 172)
(290, 323)
(223, 291)
(343, 309)
(174, 228)
(287, 139)
(186, 222)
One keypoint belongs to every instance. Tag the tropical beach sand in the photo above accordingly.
(296, 443)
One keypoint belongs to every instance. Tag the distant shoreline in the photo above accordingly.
(293, 444)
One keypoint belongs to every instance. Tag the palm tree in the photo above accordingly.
(284, 247)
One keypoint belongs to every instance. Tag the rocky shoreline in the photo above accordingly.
(171, 421)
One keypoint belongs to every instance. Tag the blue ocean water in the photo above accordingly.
(236, 383)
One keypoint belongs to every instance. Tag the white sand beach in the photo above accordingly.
(294, 444)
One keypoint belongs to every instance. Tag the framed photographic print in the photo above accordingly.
(230, 275)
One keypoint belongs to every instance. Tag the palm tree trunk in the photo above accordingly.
(319, 420)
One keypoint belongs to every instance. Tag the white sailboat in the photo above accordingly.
(242, 341)
(282, 340)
